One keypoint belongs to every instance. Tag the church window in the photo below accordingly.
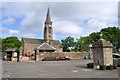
(50, 29)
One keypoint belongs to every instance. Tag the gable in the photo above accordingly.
(45, 46)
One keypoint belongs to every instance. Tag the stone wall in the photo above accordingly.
(72, 55)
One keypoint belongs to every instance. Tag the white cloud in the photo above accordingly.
(20, 9)
(8, 22)
(69, 19)
(13, 31)
(27, 35)
(67, 28)
(94, 23)
(9, 32)
(31, 24)
(3, 30)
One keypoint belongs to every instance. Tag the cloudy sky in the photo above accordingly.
(26, 19)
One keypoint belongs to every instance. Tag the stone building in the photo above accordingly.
(30, 45)
(12, 54)
(102, 52)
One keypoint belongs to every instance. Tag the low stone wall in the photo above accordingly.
(72, 55)
(75, 55)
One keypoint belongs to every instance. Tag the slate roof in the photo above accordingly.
(40, 41)
(33, 40)
(45, 46)
(55, 42)
(12, 49)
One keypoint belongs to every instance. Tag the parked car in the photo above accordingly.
(49, 59)
(63, 58)
(116, 59)
(117, 56)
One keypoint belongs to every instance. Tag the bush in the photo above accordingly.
(114, 66)
(90, 65)
(102, 67)
(109, 67)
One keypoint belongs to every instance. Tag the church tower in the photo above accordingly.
(48, 31)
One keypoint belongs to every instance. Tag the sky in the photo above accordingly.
(76, 19)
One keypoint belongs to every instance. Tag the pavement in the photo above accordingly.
(54, 69)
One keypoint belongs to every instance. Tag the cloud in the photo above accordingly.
(8, 32)
(3, 30)
(30, 35)
(13, 31)
(8, 22)
(69, 19)
(67, 28)
(20, 9)
(94, 23)
(31, 23)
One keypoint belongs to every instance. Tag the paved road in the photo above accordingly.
(54, 69)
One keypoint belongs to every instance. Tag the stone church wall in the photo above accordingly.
(58, 48)
(29, 48)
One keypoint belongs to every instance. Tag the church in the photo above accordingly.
(48, 44)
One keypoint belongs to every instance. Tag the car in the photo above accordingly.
(116, 59)
(63, 58)
(48, 59)
(117, 56)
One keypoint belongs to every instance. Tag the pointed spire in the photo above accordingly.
(48, 18)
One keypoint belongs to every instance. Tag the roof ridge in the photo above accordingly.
(31, 38)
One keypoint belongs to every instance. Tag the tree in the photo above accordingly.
(95, 36)
(112, 34)
(67, 43)
(10, 42)
(82, 44)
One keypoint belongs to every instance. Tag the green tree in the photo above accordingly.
(112, 34)
(10, 42)
(95, 36)
(67, 43)
(82, 44)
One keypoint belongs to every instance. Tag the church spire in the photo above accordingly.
(48, 31)
(48, 18)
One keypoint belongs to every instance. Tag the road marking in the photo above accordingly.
(86, 69)
(75, 71)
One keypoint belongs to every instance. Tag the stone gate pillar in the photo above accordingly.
(102, 52)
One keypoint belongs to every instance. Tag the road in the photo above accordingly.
(54, 69)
